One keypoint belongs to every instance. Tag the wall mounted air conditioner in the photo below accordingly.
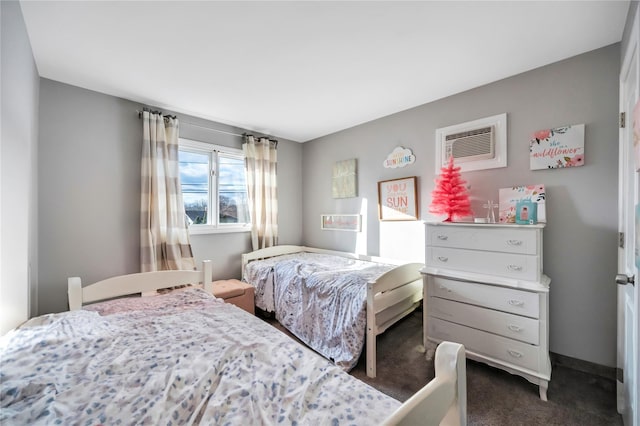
(475, 145)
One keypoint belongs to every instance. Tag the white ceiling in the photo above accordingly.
(300, 69)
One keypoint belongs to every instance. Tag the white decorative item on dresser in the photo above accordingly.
(484, 287)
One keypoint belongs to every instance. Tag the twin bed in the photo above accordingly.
(187, 357)
(333, 301)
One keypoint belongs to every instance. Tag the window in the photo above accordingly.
(214, 187)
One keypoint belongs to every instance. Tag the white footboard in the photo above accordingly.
(390, 298)
(442, 401)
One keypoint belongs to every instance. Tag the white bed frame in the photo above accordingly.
(442, 401)
(125, 285)
(390, 298)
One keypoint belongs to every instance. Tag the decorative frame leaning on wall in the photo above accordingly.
(398, 199)
(509, 198)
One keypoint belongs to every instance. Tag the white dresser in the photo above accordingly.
(484, 287)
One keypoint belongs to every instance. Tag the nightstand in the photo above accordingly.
(236, 292)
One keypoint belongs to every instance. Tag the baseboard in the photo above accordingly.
(584, 366)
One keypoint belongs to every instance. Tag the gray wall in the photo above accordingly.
(580, 237)
(18, 176)
(90, 147)
(633, 7)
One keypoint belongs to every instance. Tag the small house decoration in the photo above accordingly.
(526, 212)
(450, 195)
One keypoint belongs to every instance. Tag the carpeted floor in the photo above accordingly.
(494, 397)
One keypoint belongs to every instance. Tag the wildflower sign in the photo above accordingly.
(557, 148)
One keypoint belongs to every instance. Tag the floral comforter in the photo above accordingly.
(177, 359)
(319, 298)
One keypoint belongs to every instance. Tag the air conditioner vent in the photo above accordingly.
(471, 145)
(475, 145)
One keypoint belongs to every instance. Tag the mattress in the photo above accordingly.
(180, 358)
(320, 298)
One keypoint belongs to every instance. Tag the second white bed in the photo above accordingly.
(333, 300)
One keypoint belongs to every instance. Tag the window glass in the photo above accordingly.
(194, 178)
(214, 186)
(232, 190)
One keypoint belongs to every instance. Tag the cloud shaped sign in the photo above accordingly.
(399, 157)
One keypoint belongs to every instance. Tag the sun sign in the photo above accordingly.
(397, 199)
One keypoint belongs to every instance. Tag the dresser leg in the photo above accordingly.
(543, 389)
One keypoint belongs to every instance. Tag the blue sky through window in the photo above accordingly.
(232, 189)
(194, 176)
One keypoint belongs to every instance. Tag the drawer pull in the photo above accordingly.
(514, 354)
(514, 267)
(443, 237)
(445, 288)
(515, 328)
(443, 258)
(515, 302)
(514, 242)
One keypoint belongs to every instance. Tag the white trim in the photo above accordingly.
(205, 146)
(628, 405)
(220, 229)
(500, 157)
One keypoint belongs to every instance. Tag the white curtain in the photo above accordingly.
(260, 162)
(164, 236)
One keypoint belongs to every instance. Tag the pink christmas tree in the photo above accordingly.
(450, 195)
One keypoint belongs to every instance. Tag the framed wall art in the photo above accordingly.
(340, 222)
(343, 184)
(557, 148)
(398, 199)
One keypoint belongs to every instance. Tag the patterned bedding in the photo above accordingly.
(319, 298)
(177, 359)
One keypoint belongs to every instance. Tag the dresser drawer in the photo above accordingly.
(500, 298)
(517, 266)
(515, 240)
(488, 344)
(496, 322)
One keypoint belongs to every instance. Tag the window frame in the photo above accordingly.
(213, 151)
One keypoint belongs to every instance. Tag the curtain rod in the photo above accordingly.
(194, 125)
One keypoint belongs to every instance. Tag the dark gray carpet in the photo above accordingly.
(494, 397)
